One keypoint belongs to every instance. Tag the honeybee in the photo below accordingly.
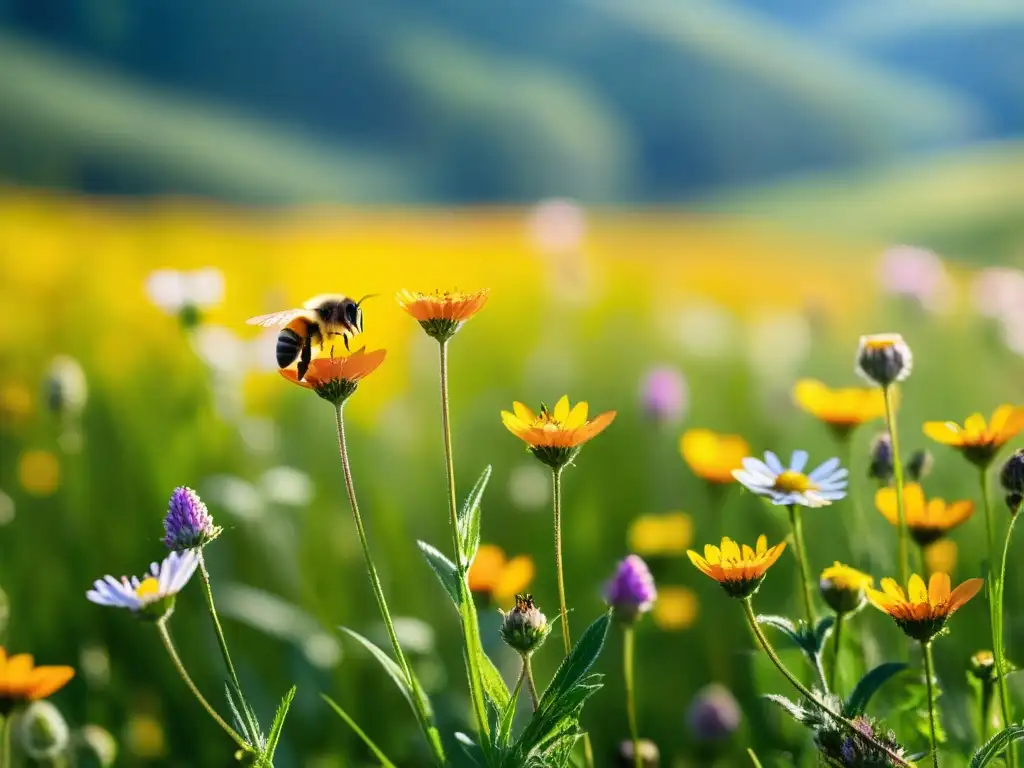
(322, 318)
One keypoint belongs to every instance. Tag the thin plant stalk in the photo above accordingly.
(929, 673)
(860, 540)
(766, 646)
(165, 636)
(208, 590)
(470, 627)
(6, 734)
(627, 668)
(530, 684)
(903, 556)
(985, 704)
(378, 590)
(563, 611)
(801, 555)
(837, 633)
(998, 640)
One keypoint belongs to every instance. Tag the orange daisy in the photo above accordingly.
(977, 440)
(841, 409)
(336, 378)
(555, 436)
(441, 314)
(497, 577)
(925, 612)
(739, 571)
(712, 456)
(21, 680)
(928, 520)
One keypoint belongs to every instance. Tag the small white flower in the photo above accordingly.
(788, 486)
(162, 581)
(172, 290)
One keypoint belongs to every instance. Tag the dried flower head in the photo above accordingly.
(739, 571)
(335, 379)
(922, 611)
(1011, 477)
(928, 520)
(21, 681)
(555, 435)
(441, 314)
(881, 465)
(151, 597)
(844, 588)
(188, 523)
(712, 456)
(524, 628)
(982, 666)
(977, 440)
(631, 591)
(883, 359)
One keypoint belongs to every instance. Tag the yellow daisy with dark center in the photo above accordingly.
(928, 520)
(841, 409)
(739, 569)
(555, 435)
(977, 439)
(844, 587)
(441, 314)
(713, 456)
(22, 681)
(922, 611)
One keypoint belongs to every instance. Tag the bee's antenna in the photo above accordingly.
(367, 296)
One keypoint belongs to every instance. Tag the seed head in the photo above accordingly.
(524, 628)
(188, 524)
(883, 359)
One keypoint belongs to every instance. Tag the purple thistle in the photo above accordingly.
(663, 394)
(631, 591)
(188, 524)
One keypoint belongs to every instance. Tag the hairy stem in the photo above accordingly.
(528, 672)
(563, 612)
(801, 555)
(837, 632)
(627, 666)
(903, 558)
(6, 734)
(929, 673)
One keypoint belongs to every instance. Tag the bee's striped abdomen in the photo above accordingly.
(289, 344)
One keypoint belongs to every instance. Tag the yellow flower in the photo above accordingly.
(841, 409)
(554, 436)
(496, 577)
(442, 314)
(336, 378)
(924, 613)
(941, 556)
(39, 472)
(978, 441)
(668, 534)
(739, 571)
(843, 587)
(676, 608)
(711, 456)
(927, 520)
(145, 737)
(21, 680)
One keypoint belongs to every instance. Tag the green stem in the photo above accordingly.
(929, 673)
(165, 636)
(378, 591)
(528, 673)
(753, 758)
(766, 646)
(897, 466)
(377, 753)
(801, 556)
(837, 632)
(6, 735)
(627, 666)
(998, 641)
(470, 627)
(986, 705)
(563, 612)
(860, 541)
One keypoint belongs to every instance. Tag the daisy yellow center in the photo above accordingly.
(880, 343)
(148, 588)
(793, 482)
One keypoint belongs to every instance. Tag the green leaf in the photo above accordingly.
(246, 725)
(494, 685)
(580, 659)
(792, 709)
(508, 715)
(822, 630)
(470, 749)
(445, 569)
(385, 763)
(784, 625)
(276, 727)
(469, 519)
(389, 664)
(995, 746)
(868, 685)
(753, 758)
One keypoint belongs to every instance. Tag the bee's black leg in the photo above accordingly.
(345, 337)
(307, 354)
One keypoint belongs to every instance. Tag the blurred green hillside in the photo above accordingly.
(268, 102)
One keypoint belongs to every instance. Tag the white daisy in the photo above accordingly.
(790, 486)
(138, 595)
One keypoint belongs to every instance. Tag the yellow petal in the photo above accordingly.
(577, 416)
(975, 426)
(917, 592)
(810, 395)
(893, 589)
(748, 553)
(712, 554)
(945, 432)
(1013, 426)
(561, 412)
(515, 578)
(885, 501)
(762, 544)
(486, 568)
(730, 550)
(525, 414)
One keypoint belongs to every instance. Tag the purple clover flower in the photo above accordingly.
(631, 591)
(663, 394)
(188, 524)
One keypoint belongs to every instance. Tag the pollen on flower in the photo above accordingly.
(793, 482)
(148, 588)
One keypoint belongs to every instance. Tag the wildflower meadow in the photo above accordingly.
(520, 495)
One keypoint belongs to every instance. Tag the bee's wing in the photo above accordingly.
(275, 318)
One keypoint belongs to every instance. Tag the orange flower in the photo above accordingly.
(924, 613)
(841, 409)
(978, 441)
(442, 314)
(927, 520)
(711, 456)
(21, 680)
(739, 571)
(497, 577)
(336, 378)
(556, 435)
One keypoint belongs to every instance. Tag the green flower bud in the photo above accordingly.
(524, 628)
(42, 731)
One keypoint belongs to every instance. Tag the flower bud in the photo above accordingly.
(65, 387)
(43, 731)
(96, 747)
(1011, 476)
(714, 714)
(631, 592)
(883, 359)
(649, 755)
(188, 524)
(524, 628)
(982, 666)
(843, 588)
(881, 465)
(920, 465)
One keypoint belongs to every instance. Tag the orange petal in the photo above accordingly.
(938, 588)
(486, 568)
(963, 593)
(1013, 425)
(515, 578)
(48, 680)
(598, 425)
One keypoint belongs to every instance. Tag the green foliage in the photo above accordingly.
(278, 725)
(446, 571)
(469, 519)
(858, 700)
(384, 761)
(995, 746)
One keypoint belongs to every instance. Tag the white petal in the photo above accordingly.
(758, 467)
(798, 461)
(773, 462)
(832, 495)
(824, 470)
